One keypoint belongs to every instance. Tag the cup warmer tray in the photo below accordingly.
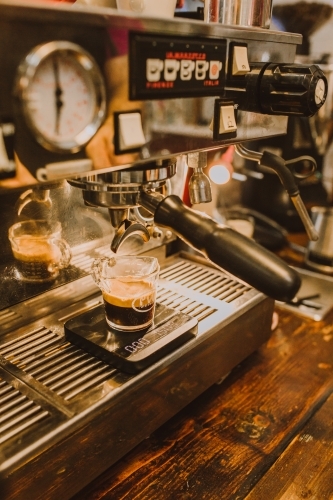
(67, 412)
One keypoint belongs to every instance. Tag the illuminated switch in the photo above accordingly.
(171, 67)
(227, 120)
(201, 68)
(214, 69)
(130, 133)
(240, 63)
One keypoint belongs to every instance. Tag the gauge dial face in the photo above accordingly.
(63, 95)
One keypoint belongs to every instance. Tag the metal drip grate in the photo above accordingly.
(67, 373)
(47, 384)
(9, 318)
(64, 369)
(46, 303)
(17, 412)
(105, 251)
(204, 280)
(84, 261)
(184, 304)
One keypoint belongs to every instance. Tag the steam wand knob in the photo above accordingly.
(199, 186)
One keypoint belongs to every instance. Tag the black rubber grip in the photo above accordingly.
(231, 251)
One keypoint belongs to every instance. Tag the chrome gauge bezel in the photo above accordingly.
(26, 74)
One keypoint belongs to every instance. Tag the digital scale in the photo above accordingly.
(131, 352)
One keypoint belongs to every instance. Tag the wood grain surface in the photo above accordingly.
(264, 433)
(305, 468)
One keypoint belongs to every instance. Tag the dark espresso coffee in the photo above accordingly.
(130, 306)
(37, 260)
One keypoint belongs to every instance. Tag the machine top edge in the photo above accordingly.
(103, 16)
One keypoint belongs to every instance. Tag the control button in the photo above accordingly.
(186, 69)
(240, 63)
(131, 134)
(227, 120)
(201, 68)
(214, 69)
(171, 67)
(154, 68)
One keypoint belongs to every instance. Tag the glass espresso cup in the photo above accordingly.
(128, 285)
(39, 250)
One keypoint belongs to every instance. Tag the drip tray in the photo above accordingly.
(315, 297)
(131, 352)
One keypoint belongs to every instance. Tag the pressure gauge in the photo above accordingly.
(62, 93)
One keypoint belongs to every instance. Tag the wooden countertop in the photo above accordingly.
(264, 433)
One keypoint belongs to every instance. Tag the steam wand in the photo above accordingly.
(287, 178)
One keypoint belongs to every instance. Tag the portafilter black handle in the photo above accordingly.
(226, 248)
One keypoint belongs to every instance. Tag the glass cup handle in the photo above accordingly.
(66, 253)
(97, 272)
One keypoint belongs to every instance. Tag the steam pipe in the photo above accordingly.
(279, 166)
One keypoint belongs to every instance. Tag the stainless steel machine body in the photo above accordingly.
(173, 126)
(67, 415)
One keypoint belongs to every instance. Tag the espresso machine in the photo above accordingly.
(103, 116)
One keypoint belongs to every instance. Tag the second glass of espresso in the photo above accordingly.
(39, 250)
(128, 285)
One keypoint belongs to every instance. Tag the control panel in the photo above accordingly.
(168, 66)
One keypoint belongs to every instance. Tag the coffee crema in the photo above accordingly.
(130, 305)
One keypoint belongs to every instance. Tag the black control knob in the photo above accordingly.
(292, 89)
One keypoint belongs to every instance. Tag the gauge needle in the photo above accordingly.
(58, 93)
